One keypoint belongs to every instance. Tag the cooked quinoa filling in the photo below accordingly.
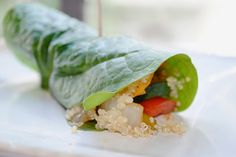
(121, 114)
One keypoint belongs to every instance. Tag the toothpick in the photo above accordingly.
(99, 12)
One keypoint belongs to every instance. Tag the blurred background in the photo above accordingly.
(203, 26)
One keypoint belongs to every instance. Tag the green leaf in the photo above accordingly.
(34, 32)
(107, 65)
(181, 67)
(156, 89)
(89, 126)
(96, 99)
(82, 68)
(103, 66)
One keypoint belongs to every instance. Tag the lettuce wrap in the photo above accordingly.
(86, 74)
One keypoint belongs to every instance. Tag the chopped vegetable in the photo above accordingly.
(90, 125)
(149, 120)
(138, 87)
(158, 105)
(134, 114)
(156, 89)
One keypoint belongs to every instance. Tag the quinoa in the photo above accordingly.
(151, 119)
(74, 129)
(114, 120)
(111, 114)
(176, 85)
(170, 124)
(76, 116)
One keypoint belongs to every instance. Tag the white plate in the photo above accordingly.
(33, 124)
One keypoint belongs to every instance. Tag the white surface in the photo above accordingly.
(33, 124)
